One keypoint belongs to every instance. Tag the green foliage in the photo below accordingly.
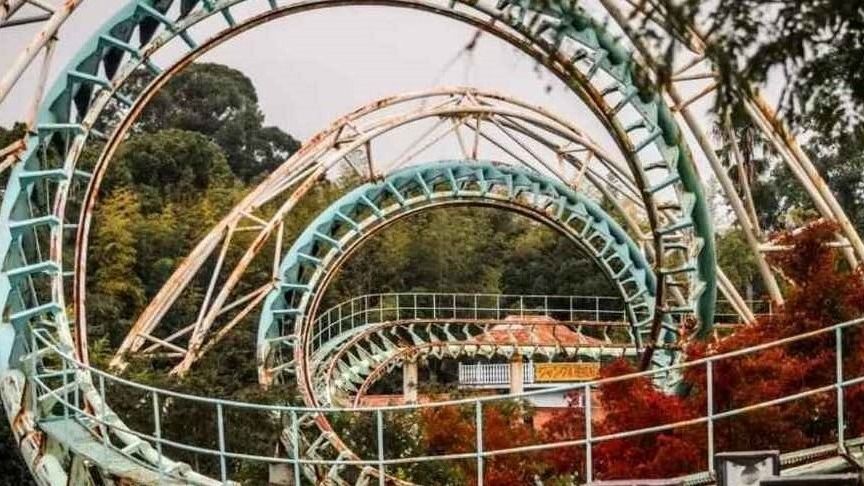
(222, 104)
(116, 292)
(540, 261)
(403, 435)
(168, 166)
(10, 135)
(7, 137)
(816, 45)
(481, 250)
(736, 259)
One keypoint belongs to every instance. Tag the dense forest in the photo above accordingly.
(202, 142)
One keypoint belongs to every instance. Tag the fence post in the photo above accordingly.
(157, 425)
(709, 379)
(596, 309)
(589, 462)
(478, 425)
(223, 467)
(379, 421)
(841, 420)
(295, 445)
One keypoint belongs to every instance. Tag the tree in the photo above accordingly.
(737, 261)
(817, 45)
(7, 137)
(168, 166)
(116, 290)
(220, 103)
(451, 430)
(10, 135)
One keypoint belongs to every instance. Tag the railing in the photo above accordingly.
(290, 416)
(376, 308)
(492, 374)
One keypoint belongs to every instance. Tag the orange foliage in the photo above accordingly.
(451, 430)
(822, 293)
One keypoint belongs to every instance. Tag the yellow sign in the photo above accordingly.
(566, 371)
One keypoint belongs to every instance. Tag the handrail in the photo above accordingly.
(392, 306)
(711, 416)
(463, 401)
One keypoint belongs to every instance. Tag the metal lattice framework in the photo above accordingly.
(330, 240)
(362, 339)
(523, 135)
(544, 167)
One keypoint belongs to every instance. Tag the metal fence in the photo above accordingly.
(492, 374)
(377, 308)
(71, 405)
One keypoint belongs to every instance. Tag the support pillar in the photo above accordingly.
(409, 381)
(516, 372)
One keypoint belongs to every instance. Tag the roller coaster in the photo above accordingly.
(655, 244)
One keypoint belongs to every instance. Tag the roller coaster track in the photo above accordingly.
(363, 342)
(655, 244)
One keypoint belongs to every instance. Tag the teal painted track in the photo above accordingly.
(285, 329)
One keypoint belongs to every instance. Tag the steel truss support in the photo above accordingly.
(771, 127)
(329, 240)
(530, 126)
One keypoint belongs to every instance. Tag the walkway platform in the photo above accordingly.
(84, 444)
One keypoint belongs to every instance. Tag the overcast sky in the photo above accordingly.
(314, 67)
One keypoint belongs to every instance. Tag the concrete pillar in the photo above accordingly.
(516, 367)
(409, 382)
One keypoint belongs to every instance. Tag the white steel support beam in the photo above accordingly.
(40, 40)
(409, 381)
(708, 150)
(812, 180)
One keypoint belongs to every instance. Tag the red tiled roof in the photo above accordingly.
(536, 330)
